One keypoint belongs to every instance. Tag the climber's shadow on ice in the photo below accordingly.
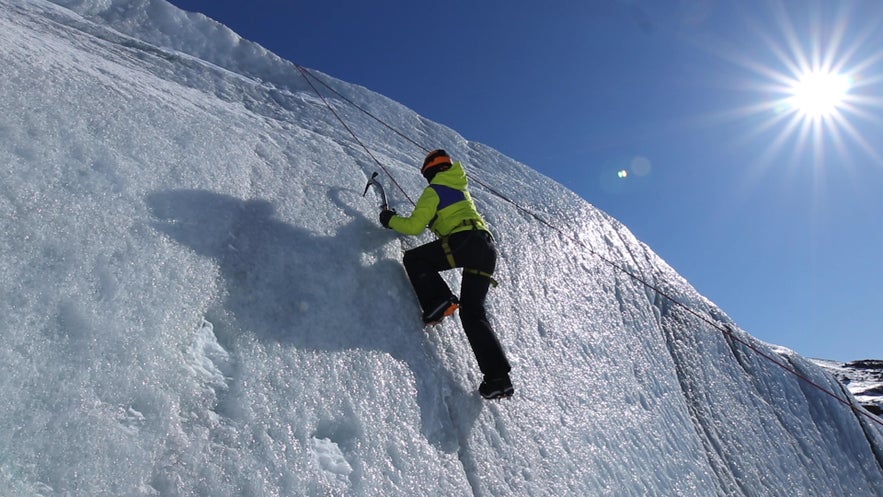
(290, 285)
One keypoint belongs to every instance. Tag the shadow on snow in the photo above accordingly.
(288, 285)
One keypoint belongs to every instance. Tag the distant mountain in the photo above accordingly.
(864, 379)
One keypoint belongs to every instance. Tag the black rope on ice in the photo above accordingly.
(306, 74)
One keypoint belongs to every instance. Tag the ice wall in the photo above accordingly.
(199, 301)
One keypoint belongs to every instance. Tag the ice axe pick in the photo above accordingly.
(373, 181)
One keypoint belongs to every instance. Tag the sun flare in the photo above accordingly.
(812, 77)
(819, 94)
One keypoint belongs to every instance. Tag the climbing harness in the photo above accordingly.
(449, 253)
(489, 276)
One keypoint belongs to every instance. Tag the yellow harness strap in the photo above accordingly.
(450, 255)
(494, 283)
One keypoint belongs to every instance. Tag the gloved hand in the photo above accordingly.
(385, 216)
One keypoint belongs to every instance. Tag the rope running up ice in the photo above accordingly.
(706, 319)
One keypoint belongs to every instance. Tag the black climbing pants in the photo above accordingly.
(473, 250)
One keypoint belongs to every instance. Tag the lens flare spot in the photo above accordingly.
(641, 166)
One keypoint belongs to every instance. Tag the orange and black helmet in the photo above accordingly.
(436, 161)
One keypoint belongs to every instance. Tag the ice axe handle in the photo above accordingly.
(373, 181)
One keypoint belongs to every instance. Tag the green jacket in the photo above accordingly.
(445, 207)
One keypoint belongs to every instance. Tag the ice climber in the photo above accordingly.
(446, 208)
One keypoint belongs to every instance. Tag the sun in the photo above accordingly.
(818, 94)
(809, 78)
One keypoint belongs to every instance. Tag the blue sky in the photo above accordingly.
(674, 116)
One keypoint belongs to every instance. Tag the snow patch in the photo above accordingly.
(329, 458)
(207, 359)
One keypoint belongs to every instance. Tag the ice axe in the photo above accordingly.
(373, 181)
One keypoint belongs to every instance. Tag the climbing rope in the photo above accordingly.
(306, 74)
(726, 330)
(364, 110)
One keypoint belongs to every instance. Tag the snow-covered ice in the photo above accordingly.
(198, 301)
